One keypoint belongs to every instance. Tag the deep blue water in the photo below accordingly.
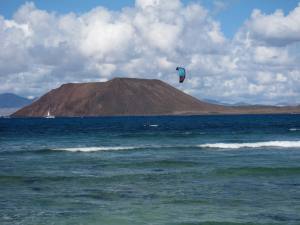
(150, 170)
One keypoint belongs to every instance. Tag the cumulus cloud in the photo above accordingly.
(276, 28)
(266, 49)
(41, 50)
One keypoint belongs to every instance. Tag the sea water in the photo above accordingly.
(182, 170)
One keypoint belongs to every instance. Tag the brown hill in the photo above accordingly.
(128, 96)
(120, 96)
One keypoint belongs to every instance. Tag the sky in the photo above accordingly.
(234, 50)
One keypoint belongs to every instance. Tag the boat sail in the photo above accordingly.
(49, 116)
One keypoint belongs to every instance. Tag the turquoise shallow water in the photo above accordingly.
(150, 170)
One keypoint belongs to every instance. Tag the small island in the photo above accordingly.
(132, 97)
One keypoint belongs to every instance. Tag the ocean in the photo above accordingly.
(181, 170)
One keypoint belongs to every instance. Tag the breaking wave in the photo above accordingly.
(294, 129)
(281, 144)
(266, 144)
(95, 149)
(151, 125)
(115, 148)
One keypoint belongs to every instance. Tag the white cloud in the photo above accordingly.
(271, 55)
(158, 4)
(40, 50)
(276, 28)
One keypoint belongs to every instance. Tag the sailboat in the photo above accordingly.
(49, 116)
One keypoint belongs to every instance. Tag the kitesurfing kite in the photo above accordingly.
(181, 73)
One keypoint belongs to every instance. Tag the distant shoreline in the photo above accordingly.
(132, 97)
(166, 115)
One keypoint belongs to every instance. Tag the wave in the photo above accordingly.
(151, 125)
(294, 129)
(93, 149)
(119, 148)
(278, 144)
(96, 149)
(281, 144)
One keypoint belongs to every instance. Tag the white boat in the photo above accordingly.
(49, 116)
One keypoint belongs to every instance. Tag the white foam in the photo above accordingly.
(95, 149)
(278, 144)
(118, 148)
(151, 125)
(294, 129)
(282, 144)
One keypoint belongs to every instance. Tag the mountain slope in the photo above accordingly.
(120, 96)
(128, 96)
(8, 100)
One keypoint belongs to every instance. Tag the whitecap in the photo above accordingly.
(118, 148)
(281, 144)
(96, 149)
